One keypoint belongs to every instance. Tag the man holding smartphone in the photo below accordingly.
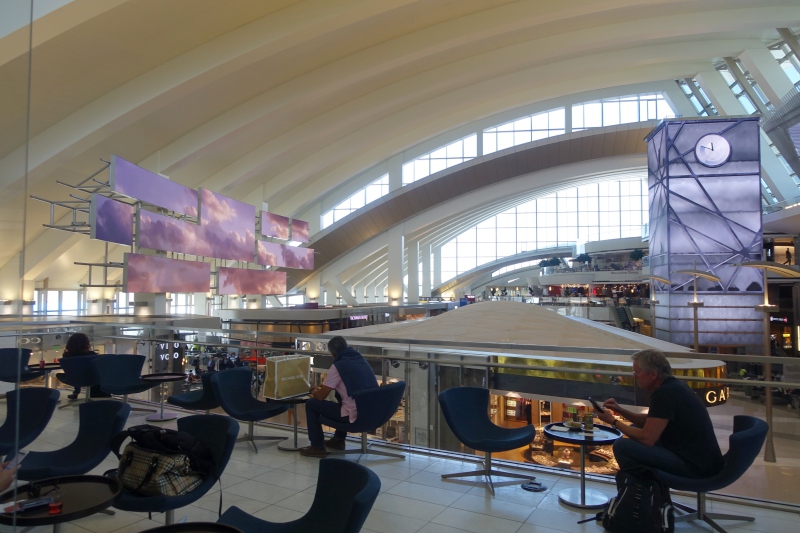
(7, 475)
(676, 435)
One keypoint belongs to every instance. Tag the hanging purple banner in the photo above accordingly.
(140, 184)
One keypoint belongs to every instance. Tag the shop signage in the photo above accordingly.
(168, 357)
(778, 319)
(714, 395)
(359, 317)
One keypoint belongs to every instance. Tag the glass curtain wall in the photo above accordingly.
(610, 209)
(447, 156)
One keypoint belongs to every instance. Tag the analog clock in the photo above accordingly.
(712, 150)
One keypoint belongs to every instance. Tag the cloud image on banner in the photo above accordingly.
(134, 181)
(273, 225)
(282, 255)
(111, 220)
(299, 230)
(244, 281)
(228, 225)
(151, 273)
(225, 230)
(295, 257)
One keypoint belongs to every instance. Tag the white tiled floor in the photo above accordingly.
(279, 486)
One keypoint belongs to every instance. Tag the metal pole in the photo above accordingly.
(583, 473)
(769, 446)
(652, 314)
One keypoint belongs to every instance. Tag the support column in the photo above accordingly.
(790, 40)
(379, 290)
(733, 70)
(335, 284)
(413, 272)
(369, 292)
(15, 295)
(395, 264)
(200, 303)
(359, 291)
(395, 170)
(425, 257)
(314, 289)
(437, 267)
(767, 73)
(148, 303)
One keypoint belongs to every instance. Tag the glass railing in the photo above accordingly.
(534, 384)
(792, 203)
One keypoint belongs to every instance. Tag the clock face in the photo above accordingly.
(712, 150)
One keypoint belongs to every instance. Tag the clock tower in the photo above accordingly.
(704, 180)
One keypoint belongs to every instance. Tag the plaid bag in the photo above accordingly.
(152, 473)
(161, 462)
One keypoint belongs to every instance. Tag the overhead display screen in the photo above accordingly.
(299, 231)
(141, 184)
(275, 226)
(282, 255)
(225, 230)
(244, 281)
(228, 226)
(111, 220)
(151, 273)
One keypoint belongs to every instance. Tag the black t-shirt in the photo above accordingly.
(689, 432)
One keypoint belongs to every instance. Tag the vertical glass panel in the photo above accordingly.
(593, 115)
(610, 113)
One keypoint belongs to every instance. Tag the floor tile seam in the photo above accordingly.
(482, 514)
(530, 512)
(403, 517)
(460, 494)
(270, 485)
(444, 507)
(493, 516)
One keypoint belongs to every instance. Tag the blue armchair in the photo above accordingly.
(219, 434)
(99, 421)
(200, 400)
(344, 497)
(14, 365)
(79, 372)
(36, 406)
(233, 390)
(745, 442)
(466, 410)
(122, 374)
(375, 407)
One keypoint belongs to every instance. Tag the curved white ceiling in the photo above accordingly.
(283, 100)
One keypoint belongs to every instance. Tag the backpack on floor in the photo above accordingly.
(161, 461)
(642, 505)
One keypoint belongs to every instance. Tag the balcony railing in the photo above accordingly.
(560, 377)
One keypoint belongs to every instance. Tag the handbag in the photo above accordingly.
(152, 473)
(161, 461)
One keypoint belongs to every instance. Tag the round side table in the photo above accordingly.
(296, 443)
(163, 379)
(583, 498)
(80, 496)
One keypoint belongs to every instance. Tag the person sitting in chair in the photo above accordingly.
(675, 436)
(77, 344)
(348, 374)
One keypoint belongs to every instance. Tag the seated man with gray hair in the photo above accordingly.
(675, 436)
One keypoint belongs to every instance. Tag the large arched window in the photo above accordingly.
(608, 209)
